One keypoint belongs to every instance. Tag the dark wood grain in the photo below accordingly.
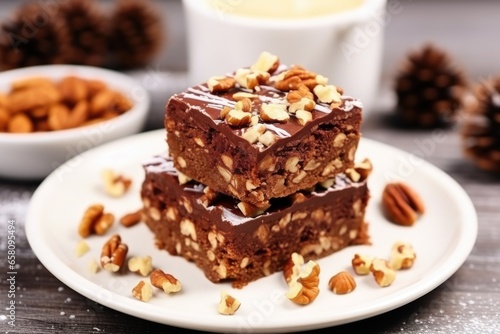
(468, 302)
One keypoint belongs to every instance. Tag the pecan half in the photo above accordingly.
(113, 254)
(401, 204)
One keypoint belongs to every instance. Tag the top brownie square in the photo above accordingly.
(263, 131)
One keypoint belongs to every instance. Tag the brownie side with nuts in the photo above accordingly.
(258, 134)
(188, 219)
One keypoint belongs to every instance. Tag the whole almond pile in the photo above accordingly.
(38, 104)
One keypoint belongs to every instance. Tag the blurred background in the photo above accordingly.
(467, 30)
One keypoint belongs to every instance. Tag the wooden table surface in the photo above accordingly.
(468, 302)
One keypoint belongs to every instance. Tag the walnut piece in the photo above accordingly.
(401, 204)
(140, 265)
(274, 113)
(361, 264)
(95, 221)
(305, 288)
(228, 305)
(81, 248)
(115, 185)
(220, 84)
(113, 254)
(266, 62)
(342, 283)
(142, 291)
(402, 255)
(382, 271)
(166, 282)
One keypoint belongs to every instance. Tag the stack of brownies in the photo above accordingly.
(260, 165)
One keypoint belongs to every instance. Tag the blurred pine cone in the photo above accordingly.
(480, 127)
(33, 37)
(136, 34)
(429, 89)
(87, 30)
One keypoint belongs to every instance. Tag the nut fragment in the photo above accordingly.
(382, 272)
(81, 248)
(295, 77)
(266, 62)
(303, 116)
(104, 223)
(238, 117)
(291, 269)
(249, 210)
(402, 255)
(305, 288)
(342, 283)
(228, 305)
(142, 291)
(115, 185)
(141, 265)
(363, 168)
(361, 264)
(91, 215)
(327, 94)
(401, 204)
(248, 78)
(167, 282)
(274, 113)
(131, 219)
(113, 254)
(220, 84)
(253, 133)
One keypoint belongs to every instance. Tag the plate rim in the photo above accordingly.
(84, 286)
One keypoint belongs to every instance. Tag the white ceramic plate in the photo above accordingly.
(442, 239)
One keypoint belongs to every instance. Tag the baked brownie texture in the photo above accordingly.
(189, 221)
(267, 141)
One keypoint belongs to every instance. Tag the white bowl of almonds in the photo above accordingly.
(51, 113)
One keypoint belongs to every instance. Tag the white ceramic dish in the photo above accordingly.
(442, 238)
(35, 155)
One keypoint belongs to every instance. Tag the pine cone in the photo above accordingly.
(136, 34)
(87, 31)
(428, 89)
(32, 37)
(481, 126)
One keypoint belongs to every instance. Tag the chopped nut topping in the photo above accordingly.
(327, 94)
(267, 138)
(238, 118)
(303, 116)
(267, 62)
(274, 113)
(220, 84)
(250, 79)
(253, 133)
(242, 95)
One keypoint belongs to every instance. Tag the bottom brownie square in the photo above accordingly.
(209, 229)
